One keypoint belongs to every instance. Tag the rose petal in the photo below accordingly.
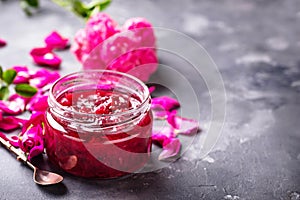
(98, 28)
(2, 42)
(162, 135)
(35, 151)
(11, 123)
(171, 149)
(36, 118)
(30, 138)
(38, 103)
(142, 29)
(45, 57)
(31, 141)
(186, 126)
(22, 74)
(13, 140)
(11, 107)
(158, 111)
(167, 103)
(151, 89)
(19, 101)
(171, 119)
(55, 41)
(43, 77)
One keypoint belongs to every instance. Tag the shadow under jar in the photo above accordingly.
(99, 124)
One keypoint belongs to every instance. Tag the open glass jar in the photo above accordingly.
(99, 124)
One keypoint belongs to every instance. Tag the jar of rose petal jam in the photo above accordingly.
(98, 124)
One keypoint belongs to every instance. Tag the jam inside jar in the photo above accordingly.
(98, 124)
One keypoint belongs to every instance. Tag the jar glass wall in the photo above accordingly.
(99, 124)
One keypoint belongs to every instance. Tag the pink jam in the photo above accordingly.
(92, 139)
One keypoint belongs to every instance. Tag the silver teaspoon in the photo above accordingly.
(41, 177)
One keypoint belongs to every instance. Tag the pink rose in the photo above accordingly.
(130, 49)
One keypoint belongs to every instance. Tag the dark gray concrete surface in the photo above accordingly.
(256, 46)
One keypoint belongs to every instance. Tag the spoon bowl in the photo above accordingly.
(43, 177)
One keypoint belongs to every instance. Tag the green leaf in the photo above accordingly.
(25, 90)
(1, 71)
(29, 6)
(4, 93)
(101, 4)
(9, 75)
(33, 3)
(62, 3)
(79, 9)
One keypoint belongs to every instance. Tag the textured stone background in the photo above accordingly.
(256, 46)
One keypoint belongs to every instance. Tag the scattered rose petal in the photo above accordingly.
(45, 57)
(167, 103)
(2, 42)
(186, 126)
(22, 74)
(151, 89)
(38, 103)
(171, 149)
(19, 101)
(159, 112)
(13, 140)
(55, 41)
(31, 141)
(161, 136)
(11, 107)
(171, 119)
(43, 77)
(11, 123)
(35, 119)
(36, 150)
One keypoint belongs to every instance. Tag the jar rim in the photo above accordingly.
(129, 111)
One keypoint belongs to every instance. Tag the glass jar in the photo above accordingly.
(98, 124)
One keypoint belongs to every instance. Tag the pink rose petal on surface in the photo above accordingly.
(36, 150)
(159, 114)
(31, 141)
(19, 101)
(166, 102)
(11, 123)
(182, 125)
(38, 103)
(171, 149)
(158, 139)
(13, 140)
(43, 77)
(45, 57)
(151, 89)
(162, 136)
(171, 119)
(55, 41)
(35, 119)
(11, 107)
(2, 42)
(186, 126)
(22, 74)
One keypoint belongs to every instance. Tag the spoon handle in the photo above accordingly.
(20, 155)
